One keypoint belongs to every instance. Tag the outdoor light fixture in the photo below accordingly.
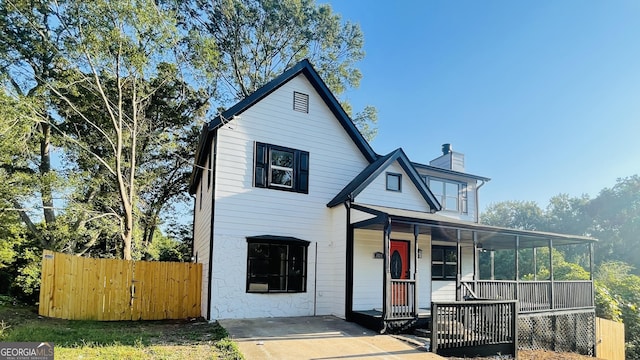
(419, 253)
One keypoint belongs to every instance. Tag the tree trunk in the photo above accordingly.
(45, 183)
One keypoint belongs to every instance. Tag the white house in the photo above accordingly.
(296, 215)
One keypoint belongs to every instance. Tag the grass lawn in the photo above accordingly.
(170, 339)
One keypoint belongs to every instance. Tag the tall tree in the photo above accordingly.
(28, 62)
(65, 53)
(616, 213)
(119, 44)
(259, 39)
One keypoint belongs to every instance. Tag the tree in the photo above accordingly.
(622, 296)
(524, 215)
(616, 214)
(259, 39)
(28, 62)
(166, 139)
(62, 52)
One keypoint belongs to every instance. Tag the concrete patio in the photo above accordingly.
(318, 338)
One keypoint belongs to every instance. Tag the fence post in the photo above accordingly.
(514, 326)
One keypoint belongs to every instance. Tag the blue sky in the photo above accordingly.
(543, 97)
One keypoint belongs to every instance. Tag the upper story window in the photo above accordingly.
(452, 195)
(281, 168)
(394, 182)
(300, 102)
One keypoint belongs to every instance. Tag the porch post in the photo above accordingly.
(492, 255)
(459, 267)
(416, 306)
(591, 266)
(475, 259)
(386, 288)
(535, 263)
(591, 261)
(552, 295)
(517, 289)
(348, 311)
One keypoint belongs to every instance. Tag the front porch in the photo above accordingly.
(443, 268)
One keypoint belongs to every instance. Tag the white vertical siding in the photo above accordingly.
(376, 193)
(242, 210)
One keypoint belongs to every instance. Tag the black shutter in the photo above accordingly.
(261, 167)
(303, 172)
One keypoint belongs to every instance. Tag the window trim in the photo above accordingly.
(271, 240)
(262, 169)
(396, 175)
(444, 262)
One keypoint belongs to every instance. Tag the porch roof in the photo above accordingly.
(489, 237)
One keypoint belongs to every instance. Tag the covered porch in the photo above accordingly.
(448, 261)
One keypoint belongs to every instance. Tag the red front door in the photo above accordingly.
(399, 270)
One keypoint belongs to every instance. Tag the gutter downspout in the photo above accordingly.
(478, 201)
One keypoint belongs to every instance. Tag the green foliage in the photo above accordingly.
(616, 214)
(525, 215)
(257, 40)
(621, 301)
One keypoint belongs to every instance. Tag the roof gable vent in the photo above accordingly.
(300, 102)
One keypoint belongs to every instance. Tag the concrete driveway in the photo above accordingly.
(316, 337)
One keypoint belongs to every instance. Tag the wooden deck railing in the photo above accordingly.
(403, 303)
(474, 327)
(534, 295)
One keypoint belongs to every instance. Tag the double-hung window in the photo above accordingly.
(276, 264)
(278, 167)
(444, 262)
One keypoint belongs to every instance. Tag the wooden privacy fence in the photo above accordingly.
(79, 288)
(609, 339)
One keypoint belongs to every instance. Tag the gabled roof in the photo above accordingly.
(371, 172)
(303, 67)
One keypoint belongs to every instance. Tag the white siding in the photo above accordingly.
(242, 210)
(376, 193)
(202, 230)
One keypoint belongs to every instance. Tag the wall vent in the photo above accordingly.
(300, 102)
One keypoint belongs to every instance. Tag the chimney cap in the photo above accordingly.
(446, 149)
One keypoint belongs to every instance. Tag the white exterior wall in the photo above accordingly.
(376, 193)
(242, 210)
(368, 271)
(202, 230)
